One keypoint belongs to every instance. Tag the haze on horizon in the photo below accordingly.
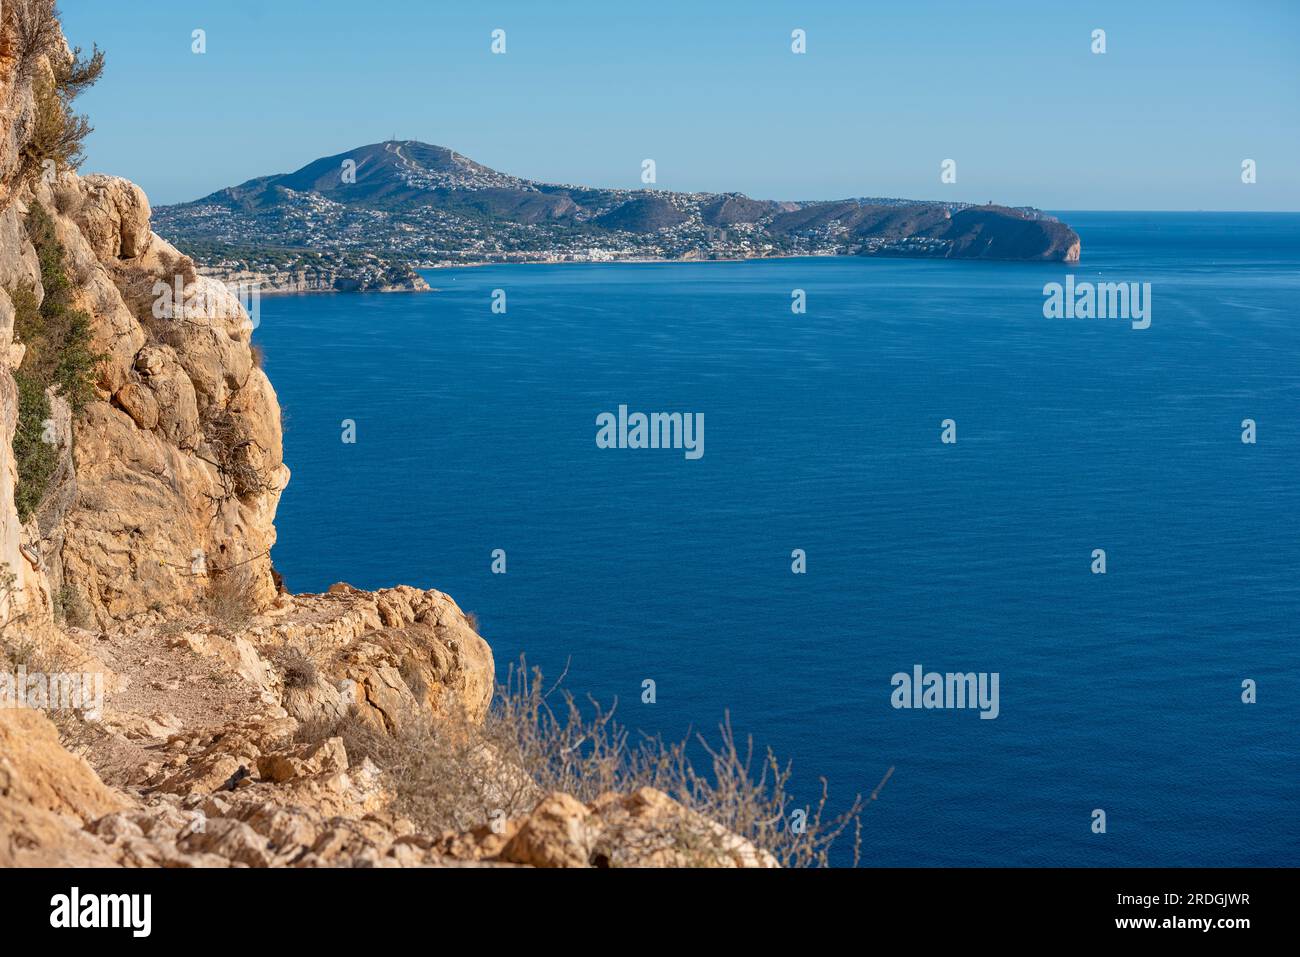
(1163, 120)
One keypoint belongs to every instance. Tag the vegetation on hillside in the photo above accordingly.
(59, 353)
(448, 774)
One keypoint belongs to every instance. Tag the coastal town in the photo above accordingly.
(319, 238)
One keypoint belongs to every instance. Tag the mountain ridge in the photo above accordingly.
(328, 167)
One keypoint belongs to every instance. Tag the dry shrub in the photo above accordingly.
(296, 667)
(57, 133)
(9, 591)
(70, 608)
(68, 200)
(442, 773)
(22, 654)
(447, 774)
(746, 793)
(229, 600)
(35, 27)
(235, 455)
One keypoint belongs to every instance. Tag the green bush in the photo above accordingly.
(57, 335)
(59, 353)
(36, 459)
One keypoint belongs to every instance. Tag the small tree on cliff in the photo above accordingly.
(31, 32)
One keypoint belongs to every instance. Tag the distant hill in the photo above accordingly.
(421, 205)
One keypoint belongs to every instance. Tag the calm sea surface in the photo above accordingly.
(1122, 691)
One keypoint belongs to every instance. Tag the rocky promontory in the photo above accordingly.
(276, 274)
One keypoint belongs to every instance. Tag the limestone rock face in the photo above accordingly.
(28, 579)
(18, 268)
(385, 654)
(35, 768)
(113, 215)
(17, 116)
(179, 461)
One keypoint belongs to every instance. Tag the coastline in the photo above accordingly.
(730, 259)
(273, 290)
(281, 291)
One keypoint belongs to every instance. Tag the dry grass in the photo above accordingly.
(68, 200)
(23, 653)
(451, 775)
(9, 589)
(443, 775)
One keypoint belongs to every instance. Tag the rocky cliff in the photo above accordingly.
(178, 457)
(214, 718)
(297, 278)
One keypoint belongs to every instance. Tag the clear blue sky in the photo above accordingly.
(711, 92)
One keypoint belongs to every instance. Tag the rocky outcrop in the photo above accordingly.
(205, 730)
(385, 277)
(113, 215)
(178, 460)
(996, 232)
(47, 797)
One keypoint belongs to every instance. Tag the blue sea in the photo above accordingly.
(1119, 691)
